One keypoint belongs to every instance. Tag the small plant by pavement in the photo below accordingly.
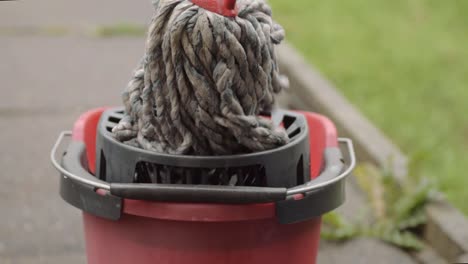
(397, 210)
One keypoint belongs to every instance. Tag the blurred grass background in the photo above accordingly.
(404, 63)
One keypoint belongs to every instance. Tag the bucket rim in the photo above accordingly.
(283, 210)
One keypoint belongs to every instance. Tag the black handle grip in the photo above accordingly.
(198, 193)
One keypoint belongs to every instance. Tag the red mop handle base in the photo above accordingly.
(225, 8)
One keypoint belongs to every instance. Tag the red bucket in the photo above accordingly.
(121, 230)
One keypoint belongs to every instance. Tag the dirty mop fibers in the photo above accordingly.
(203, 82)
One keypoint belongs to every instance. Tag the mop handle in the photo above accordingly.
(225, 8)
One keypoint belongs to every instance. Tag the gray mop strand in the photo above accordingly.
(203, 82)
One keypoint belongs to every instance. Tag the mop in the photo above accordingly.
(205, 80)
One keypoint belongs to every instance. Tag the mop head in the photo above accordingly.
(204, 81)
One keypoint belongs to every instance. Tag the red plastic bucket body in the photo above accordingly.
(158, 232)
(145, 240)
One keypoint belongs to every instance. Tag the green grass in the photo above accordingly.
(404, 63)
(49, 31)
(120, 30)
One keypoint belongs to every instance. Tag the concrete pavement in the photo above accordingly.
(44, 89)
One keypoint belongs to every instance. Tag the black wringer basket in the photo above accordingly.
(284, 167)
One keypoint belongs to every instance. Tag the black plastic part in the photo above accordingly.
(313, 205)
(289, 208)
(198, 193)
(118, 163)
(316, 203)
(83, 196)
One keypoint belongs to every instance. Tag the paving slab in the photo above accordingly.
(72, 13)
(44, 74)
(362, 251)
(68, 259)
(35, 223)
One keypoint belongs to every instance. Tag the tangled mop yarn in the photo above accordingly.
(204, 81)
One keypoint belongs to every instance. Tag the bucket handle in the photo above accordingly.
(96, 183)
(226, 194)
